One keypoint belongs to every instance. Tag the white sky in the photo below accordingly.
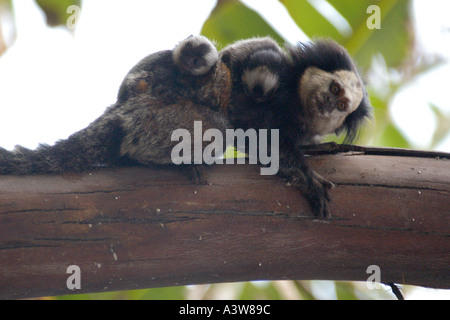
(53, 84)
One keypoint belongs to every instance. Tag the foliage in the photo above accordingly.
(231, 21)
(255, 290)
(363, 43)
(56, 10)
(56, 13)
(393, 43)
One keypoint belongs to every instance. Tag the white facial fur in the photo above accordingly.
(317, 99)
(210, 57)
(260, 76)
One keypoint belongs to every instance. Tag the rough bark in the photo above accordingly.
(137, 227)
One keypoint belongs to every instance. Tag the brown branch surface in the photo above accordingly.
(129, 228)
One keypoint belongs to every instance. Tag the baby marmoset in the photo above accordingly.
(250, 84)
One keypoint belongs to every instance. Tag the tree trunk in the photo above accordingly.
(129, 228)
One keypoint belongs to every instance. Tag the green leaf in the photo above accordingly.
(354, 11)
(312, 23)
(166, 293)
(303, 289)
(345, 291)
(231, 152)
(231, 20)
(56, 10)
(5, 5)
(265, 291)
(391, 137)
(393, 40)
(443, 125)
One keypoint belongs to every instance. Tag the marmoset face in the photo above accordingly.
(329, 97)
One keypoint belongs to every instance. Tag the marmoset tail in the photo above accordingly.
(96, 145)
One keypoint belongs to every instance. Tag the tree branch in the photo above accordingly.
(129, 228)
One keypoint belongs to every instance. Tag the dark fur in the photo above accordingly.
(328, 56)
(155, 99)
(247, 109)
(283, 110)
(160, 94)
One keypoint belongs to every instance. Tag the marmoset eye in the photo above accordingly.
(341, 106)
(335, 88)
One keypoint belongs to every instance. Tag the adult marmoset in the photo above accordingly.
(324, 94)
(309, 92)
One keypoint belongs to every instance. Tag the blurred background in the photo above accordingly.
(61, 64)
